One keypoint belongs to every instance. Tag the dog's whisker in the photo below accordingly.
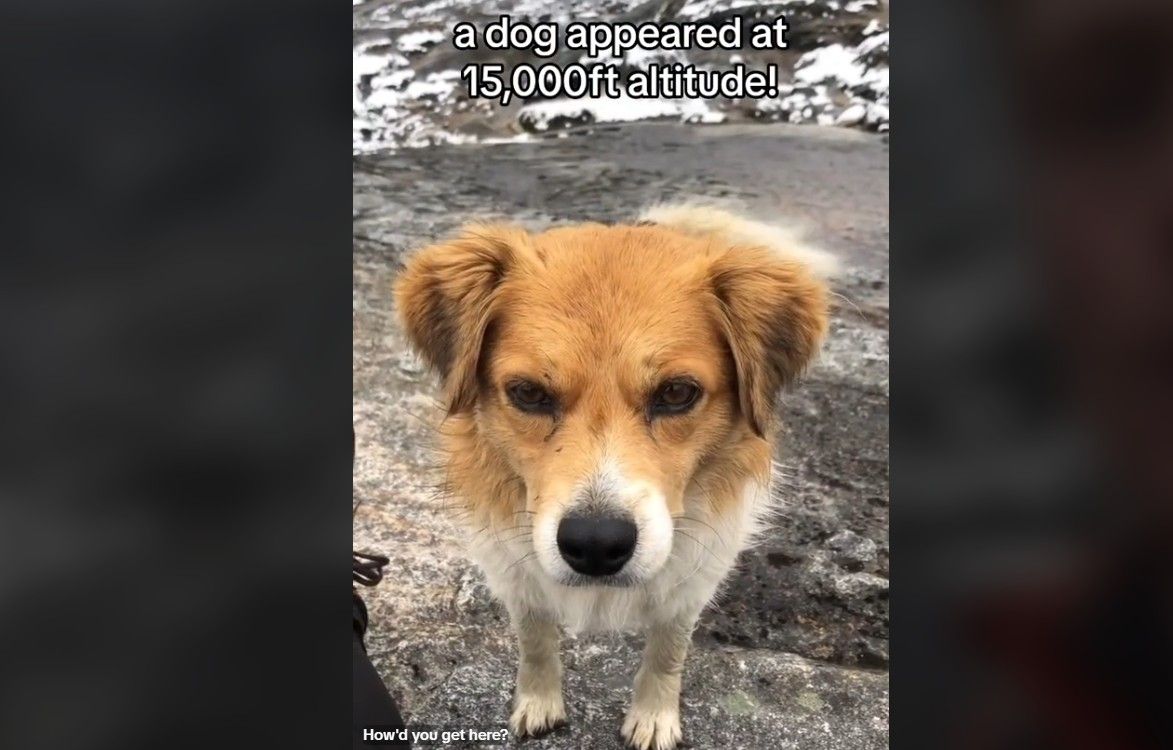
(527, 535)
(699, 564)
(521, 560)
(696, 541)
(854, 306)
(706, 525)
(712, 503)
(507, 529)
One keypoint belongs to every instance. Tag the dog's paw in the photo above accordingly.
(652, 730)
(535, 715)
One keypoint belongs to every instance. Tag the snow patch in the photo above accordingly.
(419, 41)
(834, 62)
(704, 8)
(543, 116)
(859, 6)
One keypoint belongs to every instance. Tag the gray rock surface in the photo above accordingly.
(795, 653)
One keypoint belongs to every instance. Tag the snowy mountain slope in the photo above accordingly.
(407, 87)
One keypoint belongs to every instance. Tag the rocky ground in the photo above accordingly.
(796, 653)
(407, 74)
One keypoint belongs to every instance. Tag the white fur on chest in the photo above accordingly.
(703, 552)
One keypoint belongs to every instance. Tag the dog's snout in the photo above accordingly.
(596, 545)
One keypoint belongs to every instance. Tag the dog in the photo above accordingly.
(611, 394)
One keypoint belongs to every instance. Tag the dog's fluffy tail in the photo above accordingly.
(703, 220)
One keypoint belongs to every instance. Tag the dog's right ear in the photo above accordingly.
(445, 298)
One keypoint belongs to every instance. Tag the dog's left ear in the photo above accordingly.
(445, 298)
(773, 313)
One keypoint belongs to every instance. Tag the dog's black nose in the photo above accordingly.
(596, 545)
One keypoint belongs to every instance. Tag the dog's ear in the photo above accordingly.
(773, 313)
(445, 298)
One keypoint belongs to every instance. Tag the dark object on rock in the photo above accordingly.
(372, 705)
(852, 551)
(533, 123)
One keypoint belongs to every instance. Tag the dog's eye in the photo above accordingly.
(675, 397)
(530, 397)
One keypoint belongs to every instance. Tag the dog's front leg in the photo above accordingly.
(537, 701)
(653, 721)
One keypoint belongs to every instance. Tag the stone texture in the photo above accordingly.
(795, 653)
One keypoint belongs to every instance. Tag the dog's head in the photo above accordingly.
(605, 366)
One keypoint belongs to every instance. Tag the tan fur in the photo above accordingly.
(703, 220)
(600, 316)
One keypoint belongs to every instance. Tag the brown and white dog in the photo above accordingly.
(611, 409)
